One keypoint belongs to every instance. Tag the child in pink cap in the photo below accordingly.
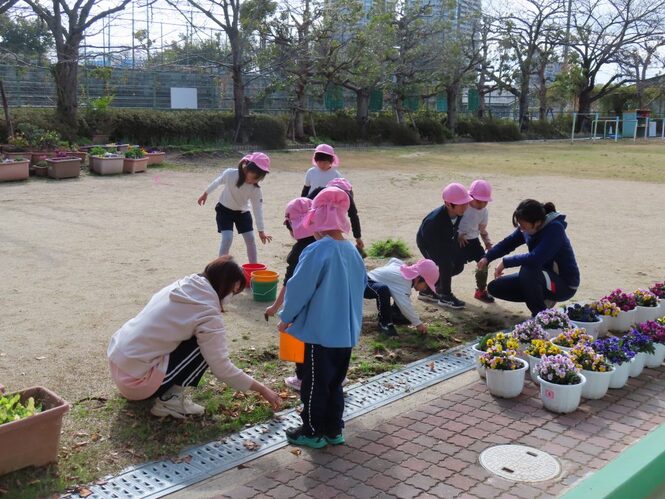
(323, 308)
(473, 227)
(396, 280)
(241, 187)
(323, 170)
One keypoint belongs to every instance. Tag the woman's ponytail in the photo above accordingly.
(549, 207)
(532, 211)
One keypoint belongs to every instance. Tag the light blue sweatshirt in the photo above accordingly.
(324, 297)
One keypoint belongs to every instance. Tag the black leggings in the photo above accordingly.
(186, 366)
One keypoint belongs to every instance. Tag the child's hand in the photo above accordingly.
(360, 244)
(265, 238)
(281, 327)
(422, 328)
(482, 263)
(463, 241)
(488, 246)
(270, 311)
(202, 199)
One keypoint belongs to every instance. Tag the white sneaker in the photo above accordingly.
(177, 405)
(293, 382)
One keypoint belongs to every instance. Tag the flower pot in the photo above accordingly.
(656, 359)
(33, 441)
(135, 165)
(561, 398)
(40, 171)
(63, 168)
(82, 155)
(609, 324)
(37, 156)
(661, 307)
(106, 166)
(619, 377)
(476, 356)
(156, 158)
(122, 147)
(18, 155)
(533, 361)
(624, 320)
(506, 383)
(552, 333)
(643, 314)
(637, 365)
(17, 170)
(593, 329)
(597, 383)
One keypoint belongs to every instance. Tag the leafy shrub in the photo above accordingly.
(488, 130)
(543, 129)
(266, 130)
(337, 127)
(389, 248)
(135, 153)
(430, 128)
(384, 128)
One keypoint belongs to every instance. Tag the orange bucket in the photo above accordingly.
(248, 268)
(264, 276)
(291, 349)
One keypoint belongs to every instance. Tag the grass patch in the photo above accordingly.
(389, 248)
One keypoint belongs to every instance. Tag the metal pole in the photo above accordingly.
(616, 130)
(572, 133)
(147, 29)
(133, 37)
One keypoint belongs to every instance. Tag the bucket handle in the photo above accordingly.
(270, 290)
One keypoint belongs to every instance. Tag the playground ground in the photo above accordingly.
(81, 257)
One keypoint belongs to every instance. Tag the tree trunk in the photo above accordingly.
(239, 108)
(481, 101)
(583, 123)
(524, 107)
(362, 109)
(65, 75)
(452, 93)
(542, 94)
(301, 106)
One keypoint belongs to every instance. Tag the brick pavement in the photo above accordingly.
(431, 447)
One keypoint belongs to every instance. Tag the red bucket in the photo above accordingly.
(248, 268)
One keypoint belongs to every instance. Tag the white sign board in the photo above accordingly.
(184, 98)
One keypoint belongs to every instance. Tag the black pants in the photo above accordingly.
(381, 293)
(450, 264)
(321, 391)
(186, 366)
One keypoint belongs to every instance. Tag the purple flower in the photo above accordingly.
(529, 330)
(558, 369)
(613, 350)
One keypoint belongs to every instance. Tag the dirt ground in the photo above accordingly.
(81, 257)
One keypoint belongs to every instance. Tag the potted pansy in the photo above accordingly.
(504, 371)
(103, 162)
(561, 383)
(626, 303)
(506, 341)
(63, 165)
(14, 168)
(526, 331)
(586, 317)
(642, 345)
(595, 368)
(609, 313)
(568, 339)
(135, 160)
(647, 308)
(155, 156)
(537, 350)
(655, 331)
(619, 355)
(658, 289)
(553, 321)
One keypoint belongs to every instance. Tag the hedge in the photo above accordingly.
(488, 130)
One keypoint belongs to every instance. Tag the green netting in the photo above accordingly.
(474, 100)
(334, 98)
(412, 102)
(376, 101)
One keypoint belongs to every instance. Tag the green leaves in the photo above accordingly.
(11, 408)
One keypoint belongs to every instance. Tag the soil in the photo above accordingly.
(82, 256)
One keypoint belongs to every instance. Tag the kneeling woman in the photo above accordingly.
(176, 337)
(548, 272)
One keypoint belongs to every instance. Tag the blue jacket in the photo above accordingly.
(324, 297)
(438, 235)
(549, 248)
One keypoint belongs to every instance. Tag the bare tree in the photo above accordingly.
(5, 5)
(639, 59)
(68, 25)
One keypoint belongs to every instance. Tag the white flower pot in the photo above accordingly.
(638, 365)
(609, 324)
(565, 350)
(593, 329)
(643, 314)
(619, 377)
(551, 333)
(656, 359)
(476, 356)
(661, 307)
(624, 320)
(561, 398)
(533, 361)
(597, 383)
(506, 383)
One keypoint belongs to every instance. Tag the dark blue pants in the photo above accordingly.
(321, 391)
(186, 366)
(531, 285)
(381, 293)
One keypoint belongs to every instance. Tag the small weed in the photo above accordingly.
(389, 248)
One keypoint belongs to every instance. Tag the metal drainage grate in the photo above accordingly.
(520, 463)
(158, 478)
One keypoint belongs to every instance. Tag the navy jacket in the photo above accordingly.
(438, 235)
(549, 248)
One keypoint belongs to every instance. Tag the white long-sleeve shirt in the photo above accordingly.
(400, 288)
(238, 198)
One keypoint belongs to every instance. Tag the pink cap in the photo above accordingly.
(340, 183)
(481, 190)
(259, 159)
(296, 212)
(424, 268)
(456, 193)
(329, 210)
(326, 149)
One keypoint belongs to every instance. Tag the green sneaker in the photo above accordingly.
(336, 440)
(297, 436)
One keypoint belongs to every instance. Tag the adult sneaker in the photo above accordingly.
(297, 436)
(293, 382)
(335, 440)
(450, 301)
(177, 405)
(483, 296)
(428, 296)
(388, 329)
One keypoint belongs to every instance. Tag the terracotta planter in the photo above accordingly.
(33, 441)
(64, 168)
(156, 158)
(16, 155)
(106, 166)
(597, 384)
(135, 165)
(40, 171)
(82, 155)
(18, 170)
(37, 156)
(561, 399)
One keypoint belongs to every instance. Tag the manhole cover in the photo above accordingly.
(520, 463)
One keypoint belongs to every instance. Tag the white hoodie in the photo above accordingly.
(188, 307)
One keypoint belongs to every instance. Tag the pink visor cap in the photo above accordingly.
(456, 193)
(340, 183)
(424, 268)
(326, 149)
(259, 159)
(329, 210)
(296, 212)
(481, 190)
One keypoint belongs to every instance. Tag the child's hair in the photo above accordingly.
(248, 166)
(532, 211)
(224, 274)
(321, 156)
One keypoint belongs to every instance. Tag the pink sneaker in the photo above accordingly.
(293, 382)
